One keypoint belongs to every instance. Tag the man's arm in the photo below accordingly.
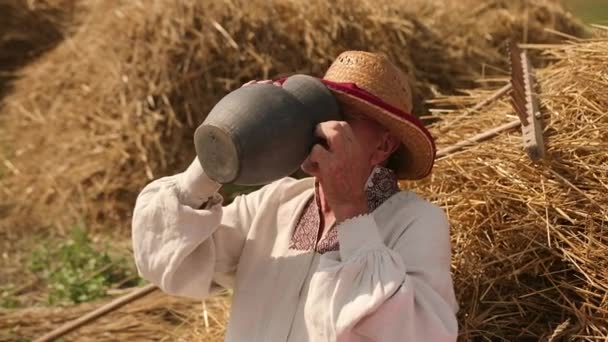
(370, 292)
(180, 244)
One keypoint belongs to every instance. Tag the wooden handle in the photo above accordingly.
(95, 314)
(477, 138)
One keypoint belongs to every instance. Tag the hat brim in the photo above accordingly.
(416, 156)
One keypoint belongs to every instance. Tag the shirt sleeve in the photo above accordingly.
(180, 245)
(369, 292)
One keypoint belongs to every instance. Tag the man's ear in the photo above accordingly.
(386, 146)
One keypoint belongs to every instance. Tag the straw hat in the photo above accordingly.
(371, 85)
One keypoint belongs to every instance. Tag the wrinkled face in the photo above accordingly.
(377, 142)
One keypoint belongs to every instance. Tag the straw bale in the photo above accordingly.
(530, 241)
(27, 29)
(114, 106)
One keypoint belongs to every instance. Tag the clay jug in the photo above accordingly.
(261, 132)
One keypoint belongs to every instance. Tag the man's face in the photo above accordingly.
(373, 143)
(370, 134)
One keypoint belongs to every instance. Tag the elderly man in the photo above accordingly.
(341, 256)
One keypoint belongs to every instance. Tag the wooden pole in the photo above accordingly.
(477, 138)
(95, 314)
(495, 96)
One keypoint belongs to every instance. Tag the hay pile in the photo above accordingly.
(27, 29)
(531, 242)
(114, 106)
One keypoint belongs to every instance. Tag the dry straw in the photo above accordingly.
(115, 104)
(531, 241)
(157, 317)
(28, 28)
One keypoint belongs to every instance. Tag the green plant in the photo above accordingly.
(75, 271)
(7, 299)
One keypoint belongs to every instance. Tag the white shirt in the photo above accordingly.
(389, 281)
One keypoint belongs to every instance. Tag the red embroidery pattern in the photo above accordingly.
(329, 242)
(307, 228)
(381, 185)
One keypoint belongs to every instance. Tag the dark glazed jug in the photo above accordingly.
(260, 133)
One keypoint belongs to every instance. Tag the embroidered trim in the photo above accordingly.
(381, 185)
(330, 242)
(307, 228)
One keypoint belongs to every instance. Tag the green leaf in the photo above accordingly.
(75, 270)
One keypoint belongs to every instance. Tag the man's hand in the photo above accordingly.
(342, 169)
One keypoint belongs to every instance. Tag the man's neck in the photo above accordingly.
(325, 208)
(328, 217)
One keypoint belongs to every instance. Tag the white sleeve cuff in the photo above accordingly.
(194, 186)
(357, 235)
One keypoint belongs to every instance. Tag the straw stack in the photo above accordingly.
(115, 105)
(92, 121)
(28, 28)
(531, 241)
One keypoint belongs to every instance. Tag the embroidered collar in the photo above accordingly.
(380, 186)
